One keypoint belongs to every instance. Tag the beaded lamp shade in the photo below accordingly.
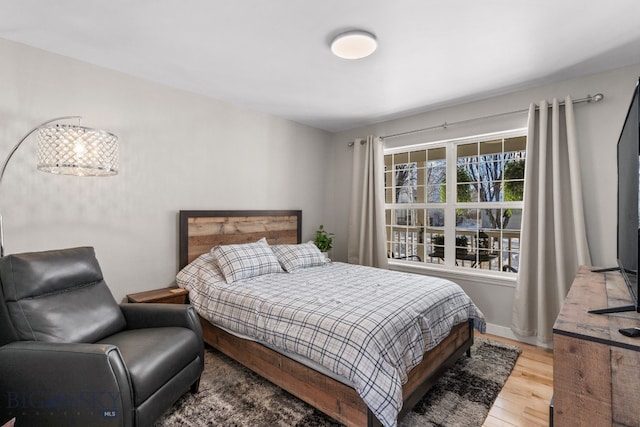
(69, 150)
(77, 150)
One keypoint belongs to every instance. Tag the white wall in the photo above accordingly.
(598, 127)
(177, 151)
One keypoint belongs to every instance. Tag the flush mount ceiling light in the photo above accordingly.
(354, 44)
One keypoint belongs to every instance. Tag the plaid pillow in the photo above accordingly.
(295, 257)
(237, 262)
(202, 269)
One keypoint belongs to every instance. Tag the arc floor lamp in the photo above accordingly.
(69, 150)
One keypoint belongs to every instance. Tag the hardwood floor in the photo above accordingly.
(524, 399)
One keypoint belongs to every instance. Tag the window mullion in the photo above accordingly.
(450, 208)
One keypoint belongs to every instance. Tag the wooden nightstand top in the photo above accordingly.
(165, 295)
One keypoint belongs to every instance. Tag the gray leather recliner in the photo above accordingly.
(71, 356)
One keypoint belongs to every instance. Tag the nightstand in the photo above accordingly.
(164, 295)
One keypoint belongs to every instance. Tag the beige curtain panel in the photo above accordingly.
(554, 242)
(366, 242)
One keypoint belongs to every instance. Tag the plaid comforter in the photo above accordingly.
(369, 325)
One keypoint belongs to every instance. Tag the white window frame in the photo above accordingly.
(448, 268)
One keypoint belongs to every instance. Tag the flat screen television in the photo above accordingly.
(629, 204)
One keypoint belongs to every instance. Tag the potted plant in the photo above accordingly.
(323, 239)
(461, 246)
(438, 246)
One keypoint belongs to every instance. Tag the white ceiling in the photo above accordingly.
(273, 55)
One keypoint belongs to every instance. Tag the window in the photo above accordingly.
(481, 211)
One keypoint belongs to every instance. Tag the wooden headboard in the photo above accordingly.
(201, 230)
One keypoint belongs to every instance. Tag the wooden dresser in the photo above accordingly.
(596, 370)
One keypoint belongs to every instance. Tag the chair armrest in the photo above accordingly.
(150, 315)
(55, 383)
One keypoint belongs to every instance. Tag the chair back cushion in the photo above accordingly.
(59, 296)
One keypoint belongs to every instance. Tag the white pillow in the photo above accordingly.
(242, 261)
(295, 257)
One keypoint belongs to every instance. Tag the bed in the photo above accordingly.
(200, 231)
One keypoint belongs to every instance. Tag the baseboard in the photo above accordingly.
(504, 332)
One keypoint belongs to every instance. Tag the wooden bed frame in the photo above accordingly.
(200, 230)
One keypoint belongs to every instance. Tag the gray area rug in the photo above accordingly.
(232, 396)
